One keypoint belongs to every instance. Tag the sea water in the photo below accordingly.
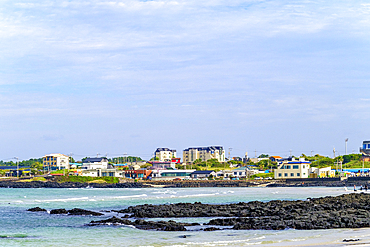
(19, 227)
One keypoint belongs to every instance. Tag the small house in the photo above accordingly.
(202, 174)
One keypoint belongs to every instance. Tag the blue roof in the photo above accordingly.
(356, 170)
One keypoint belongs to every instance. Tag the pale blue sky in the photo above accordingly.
(87, 77)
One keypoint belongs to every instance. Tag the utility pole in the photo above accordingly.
(70, 157)
(17, 166)
(363, 167)
(346, 140)
(97, 155)
(290, 152)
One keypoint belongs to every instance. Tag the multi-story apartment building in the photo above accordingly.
(291, 168)
(204, 153)
(52, 162)
(165, 154)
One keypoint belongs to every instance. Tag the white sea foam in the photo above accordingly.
(64, 199)
(165, 192)
(195, 195)
(134, 196)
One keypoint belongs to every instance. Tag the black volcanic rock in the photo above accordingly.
(142, 224)
(58, 211)
(79, 211)
(75, 211)
(36, 209)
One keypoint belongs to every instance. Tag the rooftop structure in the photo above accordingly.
(365, 148)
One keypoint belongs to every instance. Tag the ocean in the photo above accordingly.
(19, 227)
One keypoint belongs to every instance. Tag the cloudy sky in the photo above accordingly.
(125, 77)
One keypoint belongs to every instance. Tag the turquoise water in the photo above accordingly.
(21, 228)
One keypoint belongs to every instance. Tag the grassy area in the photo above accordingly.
(98, 181)
(33, 179)
(263, 175)
(81, 179)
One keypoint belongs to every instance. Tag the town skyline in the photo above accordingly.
(253, 154)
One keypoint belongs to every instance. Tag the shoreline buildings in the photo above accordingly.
(165, 154)
(204, 154)
(56, 161)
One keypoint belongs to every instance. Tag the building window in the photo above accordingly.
(298, 175)
(279, 174)
(296, 167)
(286, 174)
(287, 167)
(292, 174)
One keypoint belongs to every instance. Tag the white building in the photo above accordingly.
(325, 172)
(240, 172)
(165, 154)
(101, 173)
(171, 174)
(292, 169)
(224, 174)
(94, 163)
(52, 162)
(204, 153)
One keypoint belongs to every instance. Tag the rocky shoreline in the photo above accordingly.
(51, 184)
(344, 211)
(178, 184)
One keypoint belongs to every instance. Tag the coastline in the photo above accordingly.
(180, 184)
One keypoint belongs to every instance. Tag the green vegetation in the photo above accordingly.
(146, 165)
(235, 162)
(121, 160)
(211, 164)
(263, 175)
(349, 161)
(36, 168)
(266, 164)
(29, 162)
(82, 179)
(33, 179)
(59, 172)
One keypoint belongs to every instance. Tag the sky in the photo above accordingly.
(88, 77)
